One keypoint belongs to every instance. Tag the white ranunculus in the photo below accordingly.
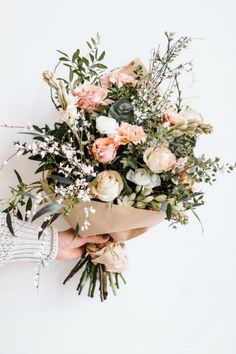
(190, 114)
(142, 177)
(159, 159)
(107, 185)
(106, 125)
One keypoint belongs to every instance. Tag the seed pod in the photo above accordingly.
(146, 192)
(148, 199)
(156, 205)
(132, 196)
(140, 205)
(140, 198)
(160, 198)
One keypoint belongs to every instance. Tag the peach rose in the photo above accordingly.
(104, 149)
(90, 97)
(159, 159)
(174, 118)
(117, 78)
(128, 133)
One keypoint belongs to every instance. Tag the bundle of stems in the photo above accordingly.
(94, 274)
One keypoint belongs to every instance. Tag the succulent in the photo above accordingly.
(121, 110)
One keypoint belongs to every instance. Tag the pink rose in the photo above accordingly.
(90, 97)
(104, 149)
(128, 133)
(117, 78)
(174, 118)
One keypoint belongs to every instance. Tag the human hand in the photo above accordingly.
(70, 248)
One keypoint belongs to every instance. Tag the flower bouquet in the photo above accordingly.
(120, 158)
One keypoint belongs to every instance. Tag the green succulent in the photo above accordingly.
(121, 110)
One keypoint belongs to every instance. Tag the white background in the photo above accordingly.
(180, 297)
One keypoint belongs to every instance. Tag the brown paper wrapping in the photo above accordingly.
(112, 255)
(121, 223)
(133, 66)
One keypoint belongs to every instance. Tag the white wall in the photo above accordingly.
(180, 297)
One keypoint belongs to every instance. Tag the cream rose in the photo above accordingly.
(142, 177)
(190, 114)
(159, 159)
(107, 185)
(106, 125)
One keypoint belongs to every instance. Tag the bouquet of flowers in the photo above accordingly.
(120, 158)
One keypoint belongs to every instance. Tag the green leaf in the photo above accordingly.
(71, 75)
(18, 177)
(89, 45)
(75, 55)
(102, 56)
(99, 66)
(69, 65)
(59, 51)
(37, 129)
(126, 188)
(54, 217)
(19, 215)
(91, 57)
(76, 231)
(85, 60)
(46, 209)
(23, 194)
(44, 225)
(43, 168)
(28, 207)
(62, 180)
(9, 223)
(93, 41)
(61, 131)
(64, 59)
(168, 211)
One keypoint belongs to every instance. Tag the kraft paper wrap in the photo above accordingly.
(121, 223)
(112, 255)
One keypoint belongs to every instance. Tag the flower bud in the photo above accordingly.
(140, 205)
(51, 79)
(132, 196)
(148, 199)
(160, 198)
(146, 192)
(138, 189)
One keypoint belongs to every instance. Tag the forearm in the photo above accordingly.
(25, 246)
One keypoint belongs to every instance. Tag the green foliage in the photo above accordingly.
(85, 69)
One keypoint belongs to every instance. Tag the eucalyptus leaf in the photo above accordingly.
(62, 180)
(18, 176)
(47, 209)
(9, 224)
(76, 231)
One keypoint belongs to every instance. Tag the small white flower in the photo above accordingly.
(106, 125)
(125, 201)
(142, 177)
